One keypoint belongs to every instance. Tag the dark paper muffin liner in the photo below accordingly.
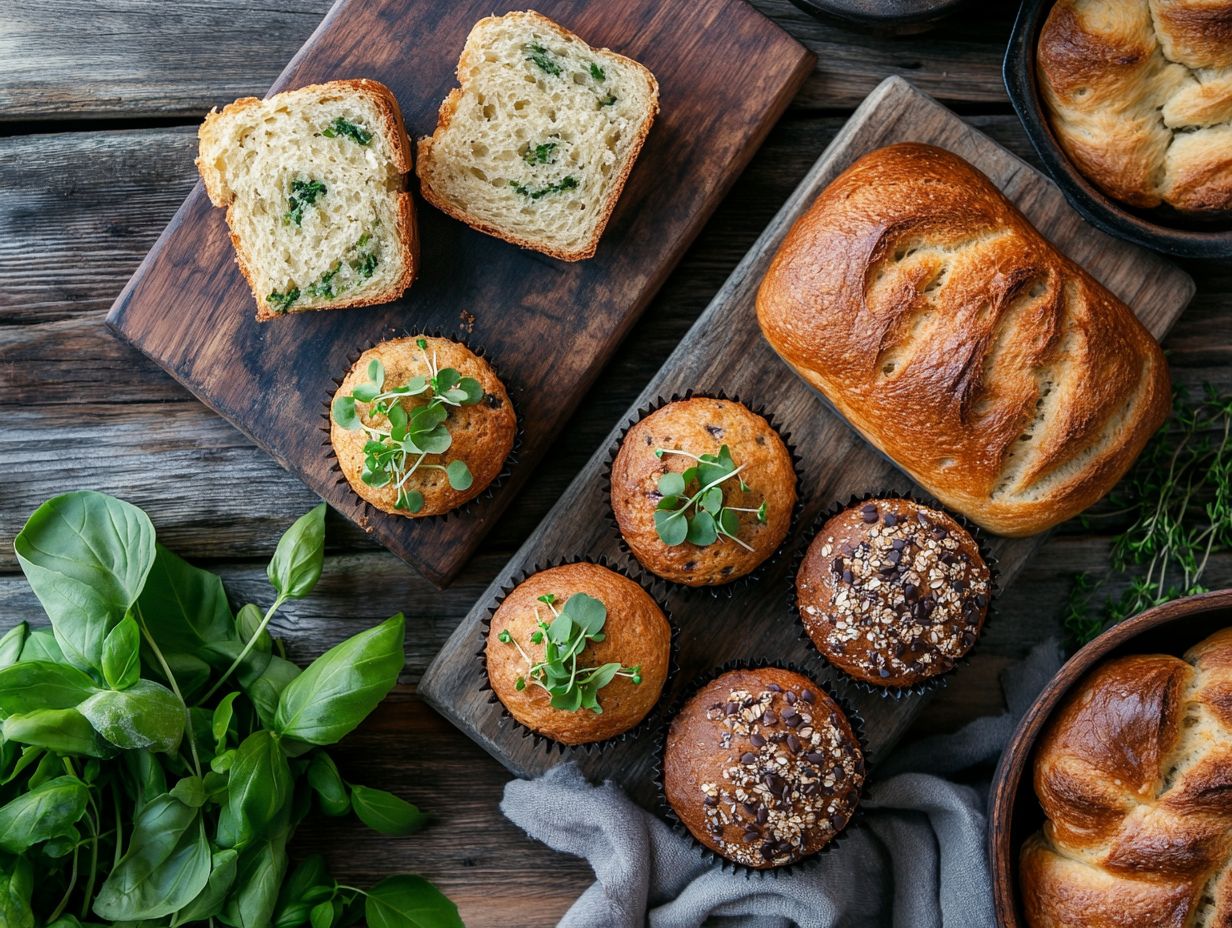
(655, 591)
(931, 684)
(712, 856)
(716, 590)
(368, 511)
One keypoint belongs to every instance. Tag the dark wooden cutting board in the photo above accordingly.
(725, 75)
(725, 351)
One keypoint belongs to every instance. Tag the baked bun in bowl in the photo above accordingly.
(1127, 103)
(1112, 804)
(421, 425)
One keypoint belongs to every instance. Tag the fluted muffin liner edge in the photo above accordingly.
(928, 685)
(709, 854)
(366, 511)
(648, 722)
(718, 590)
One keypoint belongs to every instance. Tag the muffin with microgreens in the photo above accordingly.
(421, 425)
(703, 491)
(578, 653)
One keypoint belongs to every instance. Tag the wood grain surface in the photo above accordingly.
(92, 169)
(725, 351)
(547, 326)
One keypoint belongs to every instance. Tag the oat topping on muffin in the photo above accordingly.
(770, 761)
(893, 592)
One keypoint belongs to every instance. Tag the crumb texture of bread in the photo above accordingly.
(313, 182)
(535, 144)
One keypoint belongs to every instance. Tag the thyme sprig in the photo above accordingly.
(701, 517)
(564, 636)
(401, 446)
(1178, 500)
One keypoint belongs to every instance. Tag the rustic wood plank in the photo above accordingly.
(149, 59)
(189, 308)
(835, 463)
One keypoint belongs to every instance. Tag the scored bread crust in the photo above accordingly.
(449, 107)
(995, 371)
(392, 127)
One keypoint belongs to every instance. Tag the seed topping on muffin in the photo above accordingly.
(896, 588)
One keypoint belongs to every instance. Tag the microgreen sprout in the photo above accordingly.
(701, 517)
(400, 446)
(564, 636)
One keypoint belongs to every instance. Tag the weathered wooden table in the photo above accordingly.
(98, 111)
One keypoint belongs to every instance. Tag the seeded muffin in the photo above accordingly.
(421, 425)
(762, 767)
(665, 462)
(625, 653)
(892, 592)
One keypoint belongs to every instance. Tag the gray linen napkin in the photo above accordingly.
(916, 860)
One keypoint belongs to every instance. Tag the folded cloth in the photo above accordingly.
(916, 859)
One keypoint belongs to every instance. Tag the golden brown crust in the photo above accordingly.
(893, 592)
(483, 434)
(449, 107)
(760, 777)
(702, 426)
(1134, 776)
(995, 371)
(1140, 97)
(392, 127)
(637, 633)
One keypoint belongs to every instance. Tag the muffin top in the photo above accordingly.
(589, 625)
(421, 425)
(893, 592)
(763, 767)
(703, 491)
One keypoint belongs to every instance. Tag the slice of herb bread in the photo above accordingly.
(313, 181)
(535, 144)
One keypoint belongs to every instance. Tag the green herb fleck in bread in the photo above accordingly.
(535, 144)
(314, 184)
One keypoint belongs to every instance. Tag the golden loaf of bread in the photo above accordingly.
(1135, 778)
(995, 371)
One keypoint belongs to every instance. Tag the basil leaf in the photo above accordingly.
(264, 688)
(65, 731)
(296, 565)
(247, 621)
(338, 690)
(16, 888)
(385, 812)
(258, 789)
(209, 901)
(144, 716)
(41, 646)
(47, 811)
(86, 556)
(261, 867)
(147, 775)
(302, 890)
(12, 643)
(191, 673)
(122, 654)
(166, 866)
(327, 783)
(29, 687)
(409, 902)
(322, 915)
(184, 607)
(220, 723)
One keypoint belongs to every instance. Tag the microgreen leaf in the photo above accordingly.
(376, 373)
(343, 412)
(693, 508)
(702, 530)
(671, 526)
(671, 484)
(459, 475)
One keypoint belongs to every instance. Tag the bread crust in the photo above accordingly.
(715, 745)
(1126, 83)
(701, 426)
(449, 107)
(483, 434)
(636, 633)
(1134, 776)
(996, 372)
(392, 127)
